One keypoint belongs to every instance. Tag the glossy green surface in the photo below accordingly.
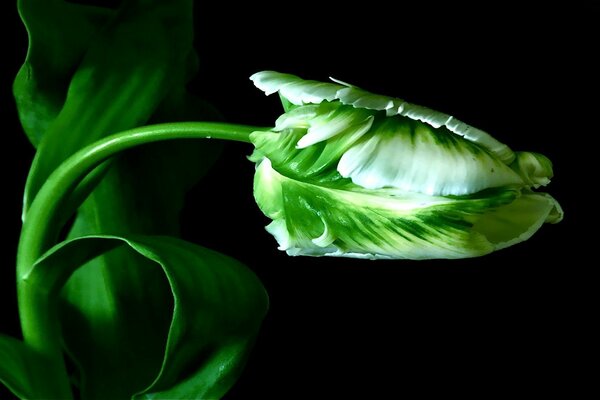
(127, 326)
(344, 172)
(213, 307)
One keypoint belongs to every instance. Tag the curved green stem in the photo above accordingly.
(37, 307)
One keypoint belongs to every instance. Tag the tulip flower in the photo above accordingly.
(342, 173)
(349, 173)
(113, 303)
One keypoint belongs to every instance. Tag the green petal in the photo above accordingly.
(412, 156)
(518, 221)
(353, 222)
(535, 169)
(309, 141)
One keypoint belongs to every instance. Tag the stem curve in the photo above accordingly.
(37, 310)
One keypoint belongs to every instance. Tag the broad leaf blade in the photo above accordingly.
(212, 377)
(19, 367)
(113, 328)
(131, 69)
(130, 65)
(143, 192)
(59, 35)
(218, 305)
(121, 69)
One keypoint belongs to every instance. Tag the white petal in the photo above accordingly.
(424, 114)
(299, 91)
(361, 99)
(327, 128)
(415, 158)
(482, 138)
(278, 229)
(297, 118)
(296, 90)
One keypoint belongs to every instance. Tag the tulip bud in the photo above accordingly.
(349, 173)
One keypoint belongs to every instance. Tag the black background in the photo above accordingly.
(511, 322)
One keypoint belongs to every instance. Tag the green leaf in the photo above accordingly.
(20, 368)
(138, 59)
(131, 68)
(59, 36)
(216, 310)
(133, 62)
(116, 312)
(143, 192)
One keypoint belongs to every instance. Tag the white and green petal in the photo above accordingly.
(535, 169)
(308, 142)
(297, 91)
(300, 92)
(376, 151)
(316, 220)
(415, 157)
(345, 172)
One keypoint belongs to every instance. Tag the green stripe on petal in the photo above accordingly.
(353, 222)
(412, 156)
(309, 141)
(299, 92)
(349, 173)
(339, 123)
(480, 137)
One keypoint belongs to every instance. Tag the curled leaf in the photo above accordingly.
(216, 310)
